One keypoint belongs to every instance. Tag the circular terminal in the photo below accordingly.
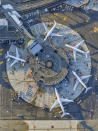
(51, 68)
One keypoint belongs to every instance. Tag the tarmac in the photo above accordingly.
(26, 82)
(86, 106)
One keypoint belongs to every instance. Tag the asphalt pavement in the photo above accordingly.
(86, 106)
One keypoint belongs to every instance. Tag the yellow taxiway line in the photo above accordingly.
(33, 5)
(95, 29)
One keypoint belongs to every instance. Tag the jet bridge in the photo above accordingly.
(14, 17)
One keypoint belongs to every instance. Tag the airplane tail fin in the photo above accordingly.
(45, 38)
(64, 114)
(87, 89)
(7, 55)
(55, 22)
(87, 54)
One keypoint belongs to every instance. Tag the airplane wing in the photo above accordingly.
(46, 28)
(79, 44)
(65, 100)
(82, 83)
(15, 61)
(76, 84)
(53, 34)
(17, 54)
(79, 79)
(74, 48)
(87, 89)
(86, 53)
(55, 103)
(84, 77)
(74, 53)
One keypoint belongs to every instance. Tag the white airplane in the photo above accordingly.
(17, 59)
(79, 79)
(50, 32)
(75, 49)
(59, 101)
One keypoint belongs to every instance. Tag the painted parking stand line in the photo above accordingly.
(1, 49)
(1, 62)
(0, 85)
(95, 29)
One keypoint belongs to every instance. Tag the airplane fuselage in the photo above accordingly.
(76, 49)
(58, 98)
(19, 59)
